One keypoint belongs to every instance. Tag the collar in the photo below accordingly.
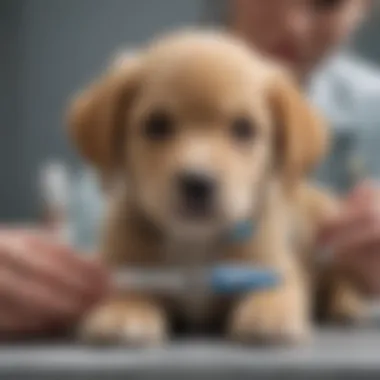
(245, 230)
(242, 231)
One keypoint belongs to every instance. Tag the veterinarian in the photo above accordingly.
(44, 285)
(312, 38)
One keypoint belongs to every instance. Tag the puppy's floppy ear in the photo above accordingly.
(300, 133)
(97, 116)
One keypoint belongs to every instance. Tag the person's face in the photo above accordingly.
(298, 32)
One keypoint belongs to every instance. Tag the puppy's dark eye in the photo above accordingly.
(159, 126)
(243, 129)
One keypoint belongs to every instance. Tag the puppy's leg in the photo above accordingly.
(132, 320)
(273, 316)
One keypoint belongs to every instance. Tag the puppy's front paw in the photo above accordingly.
(132, 322)
(346, 307)
(270, 317)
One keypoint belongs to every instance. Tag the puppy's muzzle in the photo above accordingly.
(197, 193)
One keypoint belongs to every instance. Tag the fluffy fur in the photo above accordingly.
(237, 118)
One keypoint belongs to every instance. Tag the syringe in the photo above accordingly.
(222, 279)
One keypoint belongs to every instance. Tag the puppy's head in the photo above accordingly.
(196, 124)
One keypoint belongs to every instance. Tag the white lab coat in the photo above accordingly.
(346, 89)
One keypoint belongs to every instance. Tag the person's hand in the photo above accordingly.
(44, 285)
(354, 236)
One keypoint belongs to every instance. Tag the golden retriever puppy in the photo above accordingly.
(195, 134)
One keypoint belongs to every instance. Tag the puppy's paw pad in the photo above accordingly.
(130, 324)
(143, 330)
(100, 326)
(348, 310)
(269, 318)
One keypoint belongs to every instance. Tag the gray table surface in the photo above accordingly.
(333, 354)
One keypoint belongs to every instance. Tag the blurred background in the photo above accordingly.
(51, 48)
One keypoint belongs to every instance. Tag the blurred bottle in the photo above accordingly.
(85, 211)
(55, 190)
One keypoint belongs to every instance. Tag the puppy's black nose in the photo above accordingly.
(197, 191)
